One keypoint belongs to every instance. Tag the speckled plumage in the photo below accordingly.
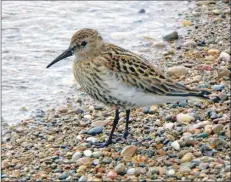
(120, 78)
(111, 63)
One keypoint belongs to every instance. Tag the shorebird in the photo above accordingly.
(120, 78)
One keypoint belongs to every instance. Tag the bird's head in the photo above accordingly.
(85, 43)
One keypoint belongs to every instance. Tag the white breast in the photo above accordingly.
(132, 95)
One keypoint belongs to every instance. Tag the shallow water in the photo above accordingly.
(34, 33)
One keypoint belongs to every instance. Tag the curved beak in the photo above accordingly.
(67, 53)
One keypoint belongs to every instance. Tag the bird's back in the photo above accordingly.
(122, 78)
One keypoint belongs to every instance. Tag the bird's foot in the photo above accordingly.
(103, 144)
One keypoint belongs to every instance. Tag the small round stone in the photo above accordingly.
(96, 130)
(187, 157)
(112, 174)
(128, 151)
(131, 171)
(120, 168)
(175, 145)
(87, 153)
(97, 154)
(76, 156)
(63, 176)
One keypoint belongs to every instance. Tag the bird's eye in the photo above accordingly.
(83, 43)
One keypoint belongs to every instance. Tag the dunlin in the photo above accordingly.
(120, 78)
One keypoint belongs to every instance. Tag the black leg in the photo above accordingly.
(115, 122)
(126, 126)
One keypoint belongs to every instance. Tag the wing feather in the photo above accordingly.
(137, 72)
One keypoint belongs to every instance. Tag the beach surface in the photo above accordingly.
(185, 141)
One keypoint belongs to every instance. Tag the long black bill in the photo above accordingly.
(67, 53)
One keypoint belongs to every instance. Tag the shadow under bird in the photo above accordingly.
(120, 78)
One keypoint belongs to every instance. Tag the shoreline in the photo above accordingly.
(184, 141)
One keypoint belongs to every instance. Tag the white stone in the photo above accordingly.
(76, 156)
(96, 154)
(177, 71)
(184, 118)
(78, 138)
(87, 116)
(171, 172)
(190, 43)
(91, 108)
(175, 145)
(131, 171)
(87, 153)
(159, 45)
(92, 139)
(224, 57)
(169, 126)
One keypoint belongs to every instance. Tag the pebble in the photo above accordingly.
(88, 117)
(62, 110)
(171, 36)
(96, 162)
(222, 96)
(218, 142)
(145, 110)
(186, 23)
(177, 71)
(87, 153)
(185, 169)
(84, 161)
(171, 172)
(79, 111)
(131, 171)
(216, 12)
(206, 67)
(63, 176)
(217, 128)
(169, 126)
(99, 123)
(209, 58)
(92, 139)
(107, 160)
(190, 44)
(81, 169)
(175, 145)
(82, 179)
(218, 87)
(222, 72)
(76, 156)
(213, 52)
(187, 157)
(128, 151)
(203, 166)
(120, 169)
(224, 57)
(208, 129)
(159, 45)
(96, 154)
(184, 118)
(142, 11)
(96, 130)
(112, 174)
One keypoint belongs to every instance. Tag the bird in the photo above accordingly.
(120, 78)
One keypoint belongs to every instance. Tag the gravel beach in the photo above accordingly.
(189, 140)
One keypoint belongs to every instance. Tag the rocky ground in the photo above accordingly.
(180, 141)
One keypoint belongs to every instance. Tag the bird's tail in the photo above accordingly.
(194, 95)
(202, 95)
